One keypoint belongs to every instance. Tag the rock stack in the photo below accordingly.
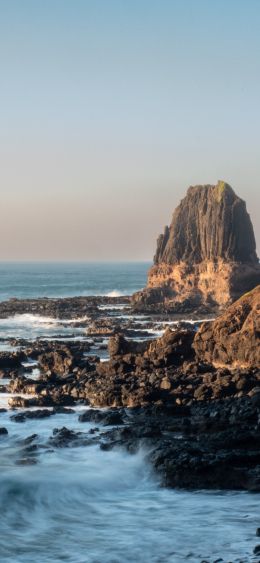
(207, 257)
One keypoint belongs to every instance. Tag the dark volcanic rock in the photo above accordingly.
(64, 438)
(119, 346)
(207, 257)
(171, 349)
(62, 361)
(37, 414)
(198, 421)
(103, 327)
(213, 446)
(59, 361)
(162, 371)
(234, 338)
(59, 308)
(11, 360)
(113, 417)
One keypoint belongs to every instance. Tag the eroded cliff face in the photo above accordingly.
(211, 222)
(208, 254)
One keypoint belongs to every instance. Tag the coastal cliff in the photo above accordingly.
(207, 257)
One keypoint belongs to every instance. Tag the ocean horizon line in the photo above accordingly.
(146, 261)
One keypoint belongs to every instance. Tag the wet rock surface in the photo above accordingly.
(199, 422)
(205, 446)
(214, 446)
(11, 361)
(58, 308)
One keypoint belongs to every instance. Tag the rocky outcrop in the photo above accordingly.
(171, 349)
(62, 361)
(233, 339)
(11, 360)
(195, 396)
(119, 346)
(207, 257)
(78, 309)
(205, 446)
(210, 222)
(163, 371)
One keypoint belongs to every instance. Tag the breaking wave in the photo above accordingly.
(83, 505)
(115, 293)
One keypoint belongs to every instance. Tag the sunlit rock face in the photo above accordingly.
(207, 256)
(232, 340)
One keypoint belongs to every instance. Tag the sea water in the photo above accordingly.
(63, 279)
(85, 505)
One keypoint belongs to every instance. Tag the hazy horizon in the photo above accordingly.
(111, 110)
(76, 261)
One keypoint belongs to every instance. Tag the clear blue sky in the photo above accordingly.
(110, 109)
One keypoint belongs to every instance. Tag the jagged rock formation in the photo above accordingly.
(208, 254)
(233, 340)
(170, 349)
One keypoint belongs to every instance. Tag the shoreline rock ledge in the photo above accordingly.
(206, 259)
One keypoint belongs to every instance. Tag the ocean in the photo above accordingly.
(68, 279)
(82, 504)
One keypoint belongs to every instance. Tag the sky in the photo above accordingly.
(110, 109)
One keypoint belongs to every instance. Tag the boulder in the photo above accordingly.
(232, 340)
(11, 360)
(62, 361)
(172, 348)
(119, 346)
(58, 361)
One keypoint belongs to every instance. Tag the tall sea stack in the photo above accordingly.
(207, 257)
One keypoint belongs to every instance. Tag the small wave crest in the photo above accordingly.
(115, 293)
(36, 320)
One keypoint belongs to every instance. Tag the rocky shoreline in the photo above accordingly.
(214, 446)
(59, 308)
(198, 420)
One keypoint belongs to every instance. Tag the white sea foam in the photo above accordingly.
(83, 500)
(189, 321)
(114, 307)
(32, 326)
(115, 293)
(4, 397)
(29, 318)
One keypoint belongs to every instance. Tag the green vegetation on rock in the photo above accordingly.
(220, 189)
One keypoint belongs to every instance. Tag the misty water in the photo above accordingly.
(85, 505)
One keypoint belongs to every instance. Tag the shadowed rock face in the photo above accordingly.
(211, 222)
(207, 257)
